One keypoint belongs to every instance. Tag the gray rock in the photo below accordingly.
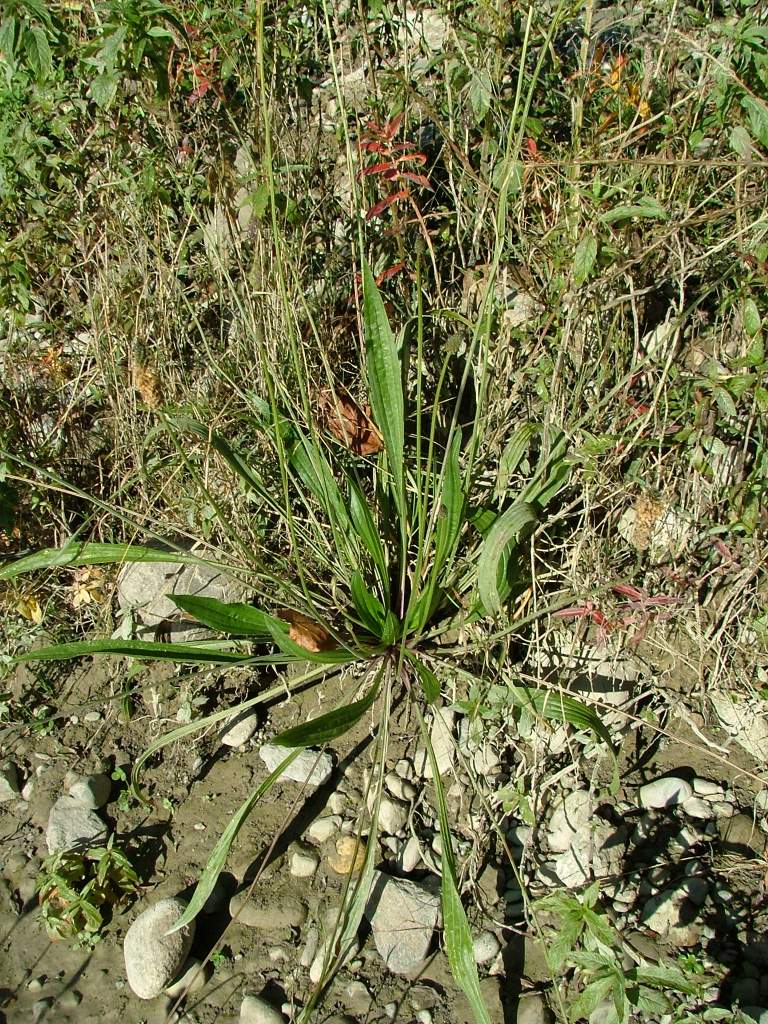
(194, 977)
(40, 1008)
(91, 791)
(724, 809)
(399, 788)
(393, 815)
(443, 745)
(699, 808)
(571, 816)
(357, 999)
(746, 722)
(707, 788)
(303, 863)
(239, 729)
(70, 999)
(403, 917)
(323, 828)
(144, 588)
(409, 855)
(665, 792)
(153, 958)
(309, 767)
(673, 916)
(266, 911)
(533, 1009)
(255, 1010)
(741, 830)
(485, 947)
(72, 826)
(9, 782)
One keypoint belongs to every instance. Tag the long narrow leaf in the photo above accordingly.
(328, 726)
(218, 857)
(385, 382)
(504, 531)
(452, 501)
(235, 619)
(96, 554)
(362, 520)
(368, 607)
(458, 937)
(183, 654)
(559, 707)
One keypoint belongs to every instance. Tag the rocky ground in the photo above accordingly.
(678, 849)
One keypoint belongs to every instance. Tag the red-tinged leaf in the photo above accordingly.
(626, 590)
(401, 147)
(532, 148)
(389, 272)
(419, 179)
(391, 129)
(369, 146)
(420, 158)
(385, 165)
(378, 208)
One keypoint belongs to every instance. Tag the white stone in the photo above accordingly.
(240, 730)
(194, 978)
(399, 788)
(745, 720)
(322, 829)
(9, 783)
(255, 1010)
(485, 947)
(304, 863)
(572, 815)
(145, 589)
(73, 826)
(723, 809)
(410, 855)
(672, 915)
(393, 815)
(698, 807)
(153, 958)
(310, 946)
(403, 917)
(443, 743)
(91, 791)
(705, 787)
(665, 792)
(404, 769)
(309, 767)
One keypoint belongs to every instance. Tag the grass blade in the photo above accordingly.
(185, 654)
(458, 938)
(362, 520)
(218, 857)
(559, 707)
(385, 382)
(96, 554)
(504, 531)
(328, 726)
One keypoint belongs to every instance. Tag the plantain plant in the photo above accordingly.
(401, 551)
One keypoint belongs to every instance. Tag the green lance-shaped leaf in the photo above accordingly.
(504, 532)
(513, 453)
(584, 258)
(218, 857)
(362, 520)
(452, 501)
(329, 726)
(83, 553)
(559, 707)
(367, 605)
(458, 937)
(182, 654)
(384, 382)
(235, 619)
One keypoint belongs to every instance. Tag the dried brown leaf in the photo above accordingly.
(306, 633)
(349, 423)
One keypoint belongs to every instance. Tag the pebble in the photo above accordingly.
(485, 947)
(242, 727)
(70, 999)
(14, 863)
(35, 985)
(278, 914)
(705, 787)
(390, 1010)
(399, 788)
(571, 817)
(349, 856)
(533, 1009)
(255, 1010)
(761, 800)
(443, 744)
(310, 767)
(193, 979)
(404, 769)
(673, 917)
(71, 825)
(152, 957)
(741, 830)
(303, 863)
(92, 716)
(665, 792)
(310, 946)
(698, 807)
(322, 829)
(91, 791)
(520, 835)
(393, 815)
(724, 809)
(357, 999)
(409, 856)
(336, 803)
(424, 1017)
(9, 782)
(403, 917)
(40, 1008)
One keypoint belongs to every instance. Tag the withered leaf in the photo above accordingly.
(349, 423)
(306, 633)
